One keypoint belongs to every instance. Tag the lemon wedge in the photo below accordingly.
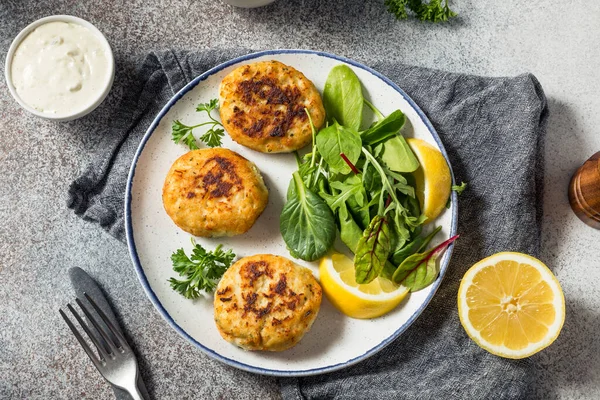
(433, 179)
(371, 300)
(511, 305)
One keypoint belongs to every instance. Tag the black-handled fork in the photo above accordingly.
(113, 358)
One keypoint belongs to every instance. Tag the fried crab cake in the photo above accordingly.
(266, 302)
(214, 192)
(262, 107)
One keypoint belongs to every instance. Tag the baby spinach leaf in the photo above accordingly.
(337, 139)
(384, 129)
(372, 250)
(343, 98)
(350, 232)
(306, 223)
(398, 156)
(421, 269)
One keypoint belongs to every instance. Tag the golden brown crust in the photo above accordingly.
(266, 302)
(262, 107)
(214, 192)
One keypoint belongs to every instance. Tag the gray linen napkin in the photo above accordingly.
(493, 130)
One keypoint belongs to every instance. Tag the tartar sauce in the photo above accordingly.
(60, 68)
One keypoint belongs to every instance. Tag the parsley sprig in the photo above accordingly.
(212, 137)
(433, 11)
(201, 271)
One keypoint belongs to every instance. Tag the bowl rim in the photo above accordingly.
(59, 18)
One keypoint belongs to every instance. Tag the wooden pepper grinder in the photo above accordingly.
(584, 192)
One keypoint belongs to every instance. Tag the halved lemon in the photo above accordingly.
(511, 305)
(357, 301)
(433, 178)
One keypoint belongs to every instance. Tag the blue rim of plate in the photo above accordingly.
(154, 299)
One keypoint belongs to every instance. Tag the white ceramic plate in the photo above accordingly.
(335, 340)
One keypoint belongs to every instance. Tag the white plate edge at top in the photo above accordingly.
(144, 281)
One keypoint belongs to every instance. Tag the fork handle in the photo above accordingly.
(135, 394)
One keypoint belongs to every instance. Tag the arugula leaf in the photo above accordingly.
(421, 269)
(335, 140)
(372, 250)
(343, 98)
(212, 138)
(459, 188)
(201, 271)
(350, 187)
(306, 223)
(434, 11)
(371, 179)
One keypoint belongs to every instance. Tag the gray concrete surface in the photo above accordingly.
(40, 238)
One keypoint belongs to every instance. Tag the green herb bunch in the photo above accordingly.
(432, 11)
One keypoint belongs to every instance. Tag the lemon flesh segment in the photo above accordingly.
(433, 179)
(511, 305)
(363, 301)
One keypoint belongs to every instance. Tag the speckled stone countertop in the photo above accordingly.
(40, 239)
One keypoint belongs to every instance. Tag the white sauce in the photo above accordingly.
(60, 68)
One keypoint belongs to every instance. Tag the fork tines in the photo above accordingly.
(106, 338)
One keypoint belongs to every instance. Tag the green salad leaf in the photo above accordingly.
(384, 129)
(343, 98)
(421, 269)
(350, 232)
(398, 156)
(372, 250)
(417, 245)
(335, 140)
(306, 223)
(459, 188)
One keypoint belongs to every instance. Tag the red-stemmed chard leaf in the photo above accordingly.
(352, 166)
(421, 269)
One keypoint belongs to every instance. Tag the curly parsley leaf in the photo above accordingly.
(212, 138)
(201, 271)
(433, 11)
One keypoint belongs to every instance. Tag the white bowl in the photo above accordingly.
(60, 18)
